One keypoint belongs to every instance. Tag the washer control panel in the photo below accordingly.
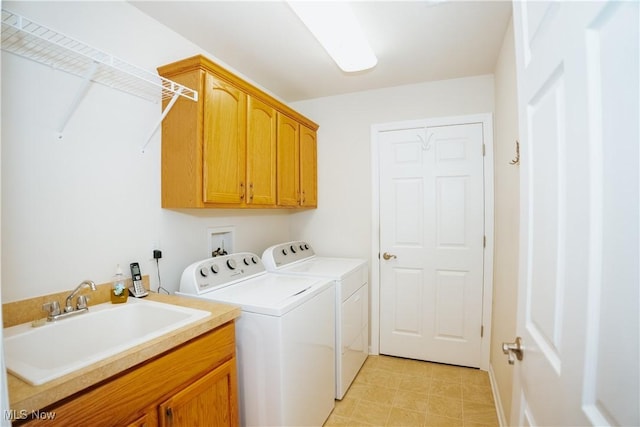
(213, 273)
(278, 256)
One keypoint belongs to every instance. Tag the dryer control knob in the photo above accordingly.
(231, 263)
(293, 249)
(284, 252)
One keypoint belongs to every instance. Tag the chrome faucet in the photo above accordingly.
(67, 304)
(53, 308)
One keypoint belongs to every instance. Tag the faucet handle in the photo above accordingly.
(82, 302)
(53, 308)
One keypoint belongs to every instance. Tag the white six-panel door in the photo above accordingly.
(432, 232)
(578, 84)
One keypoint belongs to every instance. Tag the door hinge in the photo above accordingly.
(484, 150)
(481, 331)
(484, 241)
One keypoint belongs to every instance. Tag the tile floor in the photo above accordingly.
(392, 391)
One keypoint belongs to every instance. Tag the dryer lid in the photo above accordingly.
(270, 294)
(334, 268)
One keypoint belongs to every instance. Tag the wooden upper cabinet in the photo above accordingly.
(236, 146)
(297, 164)
(288, 161)
(225, 142)
(308, 167)
(261, 153)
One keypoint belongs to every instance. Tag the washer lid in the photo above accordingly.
(270, 294)
(334, 268)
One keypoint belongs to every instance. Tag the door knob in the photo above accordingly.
(388, 256)
(513, 350)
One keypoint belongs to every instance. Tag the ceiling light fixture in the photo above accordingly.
(335, 26)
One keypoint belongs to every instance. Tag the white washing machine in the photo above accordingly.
(285, 338)
(352, 300)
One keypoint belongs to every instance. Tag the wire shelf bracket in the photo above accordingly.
(30, 40)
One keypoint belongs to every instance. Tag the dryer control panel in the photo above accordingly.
(214, 273)
(283, 254)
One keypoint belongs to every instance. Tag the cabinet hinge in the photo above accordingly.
(481, 331)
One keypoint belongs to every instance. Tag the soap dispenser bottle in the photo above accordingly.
(119, 291)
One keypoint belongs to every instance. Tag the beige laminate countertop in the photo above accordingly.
(25, 397)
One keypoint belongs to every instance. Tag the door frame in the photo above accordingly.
(487, 293)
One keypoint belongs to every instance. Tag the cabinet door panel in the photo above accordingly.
(308, 167)
(288, 158)
(224, 142)
(149, 419)
(261, 153)
(209, 401)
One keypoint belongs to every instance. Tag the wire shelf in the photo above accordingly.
(30, 40)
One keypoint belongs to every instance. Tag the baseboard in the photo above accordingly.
(496, 397)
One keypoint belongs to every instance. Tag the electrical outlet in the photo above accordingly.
(155, 246)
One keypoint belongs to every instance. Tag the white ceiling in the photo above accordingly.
(415, 41)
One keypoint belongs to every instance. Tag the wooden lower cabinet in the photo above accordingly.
(194, 384)
(206, 402)
(147, 420)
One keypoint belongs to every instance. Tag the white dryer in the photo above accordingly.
(285, 337)
(352, 300)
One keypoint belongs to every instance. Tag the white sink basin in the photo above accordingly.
(38, 355)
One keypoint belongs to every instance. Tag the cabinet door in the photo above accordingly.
(224, 142)
(149, 419)
(308, 167)
(261, 153)
(210, 401)
(288, 161)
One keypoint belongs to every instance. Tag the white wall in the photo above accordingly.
(342, 223)
(74, 208)
(507, 196)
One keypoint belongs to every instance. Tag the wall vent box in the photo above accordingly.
(220, 240)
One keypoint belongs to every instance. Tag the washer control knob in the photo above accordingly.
(231, 263)
(285, 252)
(214, 268)
(203, 272)
(293, 249)
(247, 260)
(254, 259)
